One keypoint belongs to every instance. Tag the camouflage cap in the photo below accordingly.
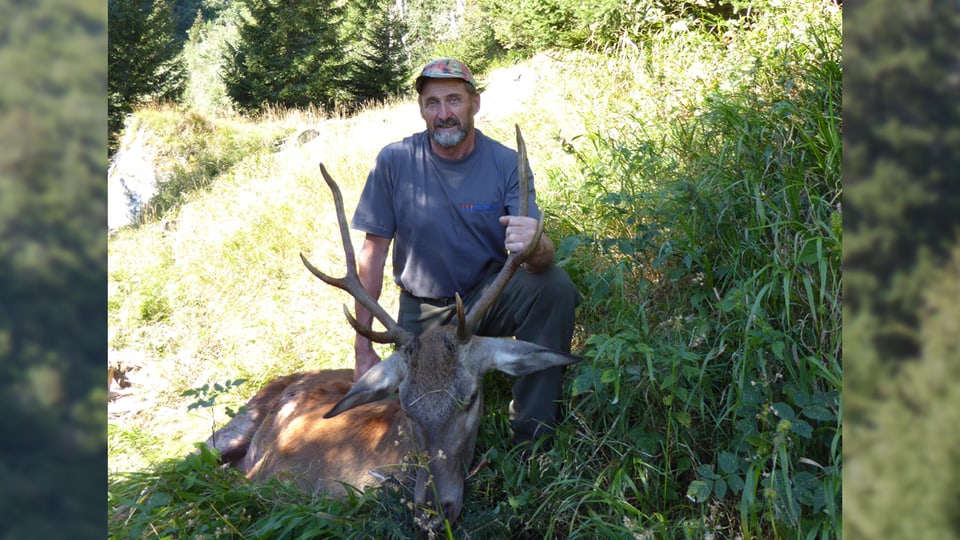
(445, 68)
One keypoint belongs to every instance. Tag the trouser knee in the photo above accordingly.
(531, 303)
(547, 309)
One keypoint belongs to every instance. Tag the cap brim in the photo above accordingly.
(422, 79)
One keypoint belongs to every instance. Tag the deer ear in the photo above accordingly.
(516, 357)
(376, 384)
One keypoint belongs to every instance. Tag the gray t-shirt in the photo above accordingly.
(442, 214)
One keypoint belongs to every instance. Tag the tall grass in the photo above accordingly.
(719, 250)
(692, 184)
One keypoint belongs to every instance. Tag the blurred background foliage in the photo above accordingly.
(901, 339)
(52, 269)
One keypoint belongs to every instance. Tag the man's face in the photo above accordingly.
(448, 109)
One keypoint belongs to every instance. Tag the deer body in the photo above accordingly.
(283, 434)
(321, 430)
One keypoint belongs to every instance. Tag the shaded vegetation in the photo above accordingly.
(288, 54)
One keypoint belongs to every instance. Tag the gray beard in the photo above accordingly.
(449, 140)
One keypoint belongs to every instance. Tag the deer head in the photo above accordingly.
(438, 374)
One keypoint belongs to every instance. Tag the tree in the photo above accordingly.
(381, 65)
(289, 54)
(143, 58)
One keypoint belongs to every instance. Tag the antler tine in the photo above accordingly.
(351, 281)
(523, 171)
(469, 323)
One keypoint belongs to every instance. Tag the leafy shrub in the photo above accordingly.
(476, 45)
(723, 282)
(534, 25)
(203, 55)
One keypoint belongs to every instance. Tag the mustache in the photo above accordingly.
(451, 122)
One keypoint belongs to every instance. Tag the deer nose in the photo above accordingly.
(433, 521)
(451, 509)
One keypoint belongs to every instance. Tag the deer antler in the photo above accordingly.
(468, 324)
(351, 281)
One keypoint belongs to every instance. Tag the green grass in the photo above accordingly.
(692, 186)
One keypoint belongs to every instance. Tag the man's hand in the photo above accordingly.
(519, 234)
(520, 231)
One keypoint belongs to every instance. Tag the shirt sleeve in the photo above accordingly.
(374, 213)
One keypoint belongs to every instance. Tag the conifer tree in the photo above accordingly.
(382, 64)
(143, 58)
(289, 54)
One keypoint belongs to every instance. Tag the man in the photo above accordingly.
(448, 198)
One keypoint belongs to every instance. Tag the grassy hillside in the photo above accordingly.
(692, 185)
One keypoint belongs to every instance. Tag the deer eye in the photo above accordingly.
(472, 401)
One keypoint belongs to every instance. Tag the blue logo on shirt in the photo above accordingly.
(479, 207)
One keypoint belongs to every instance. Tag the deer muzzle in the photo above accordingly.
(438, 494)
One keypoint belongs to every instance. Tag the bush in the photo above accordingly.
(534, 25)
(719, 288)
(476, 46)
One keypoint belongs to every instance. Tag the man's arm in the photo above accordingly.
(370, 265)
(519, 234)
(542, 257)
